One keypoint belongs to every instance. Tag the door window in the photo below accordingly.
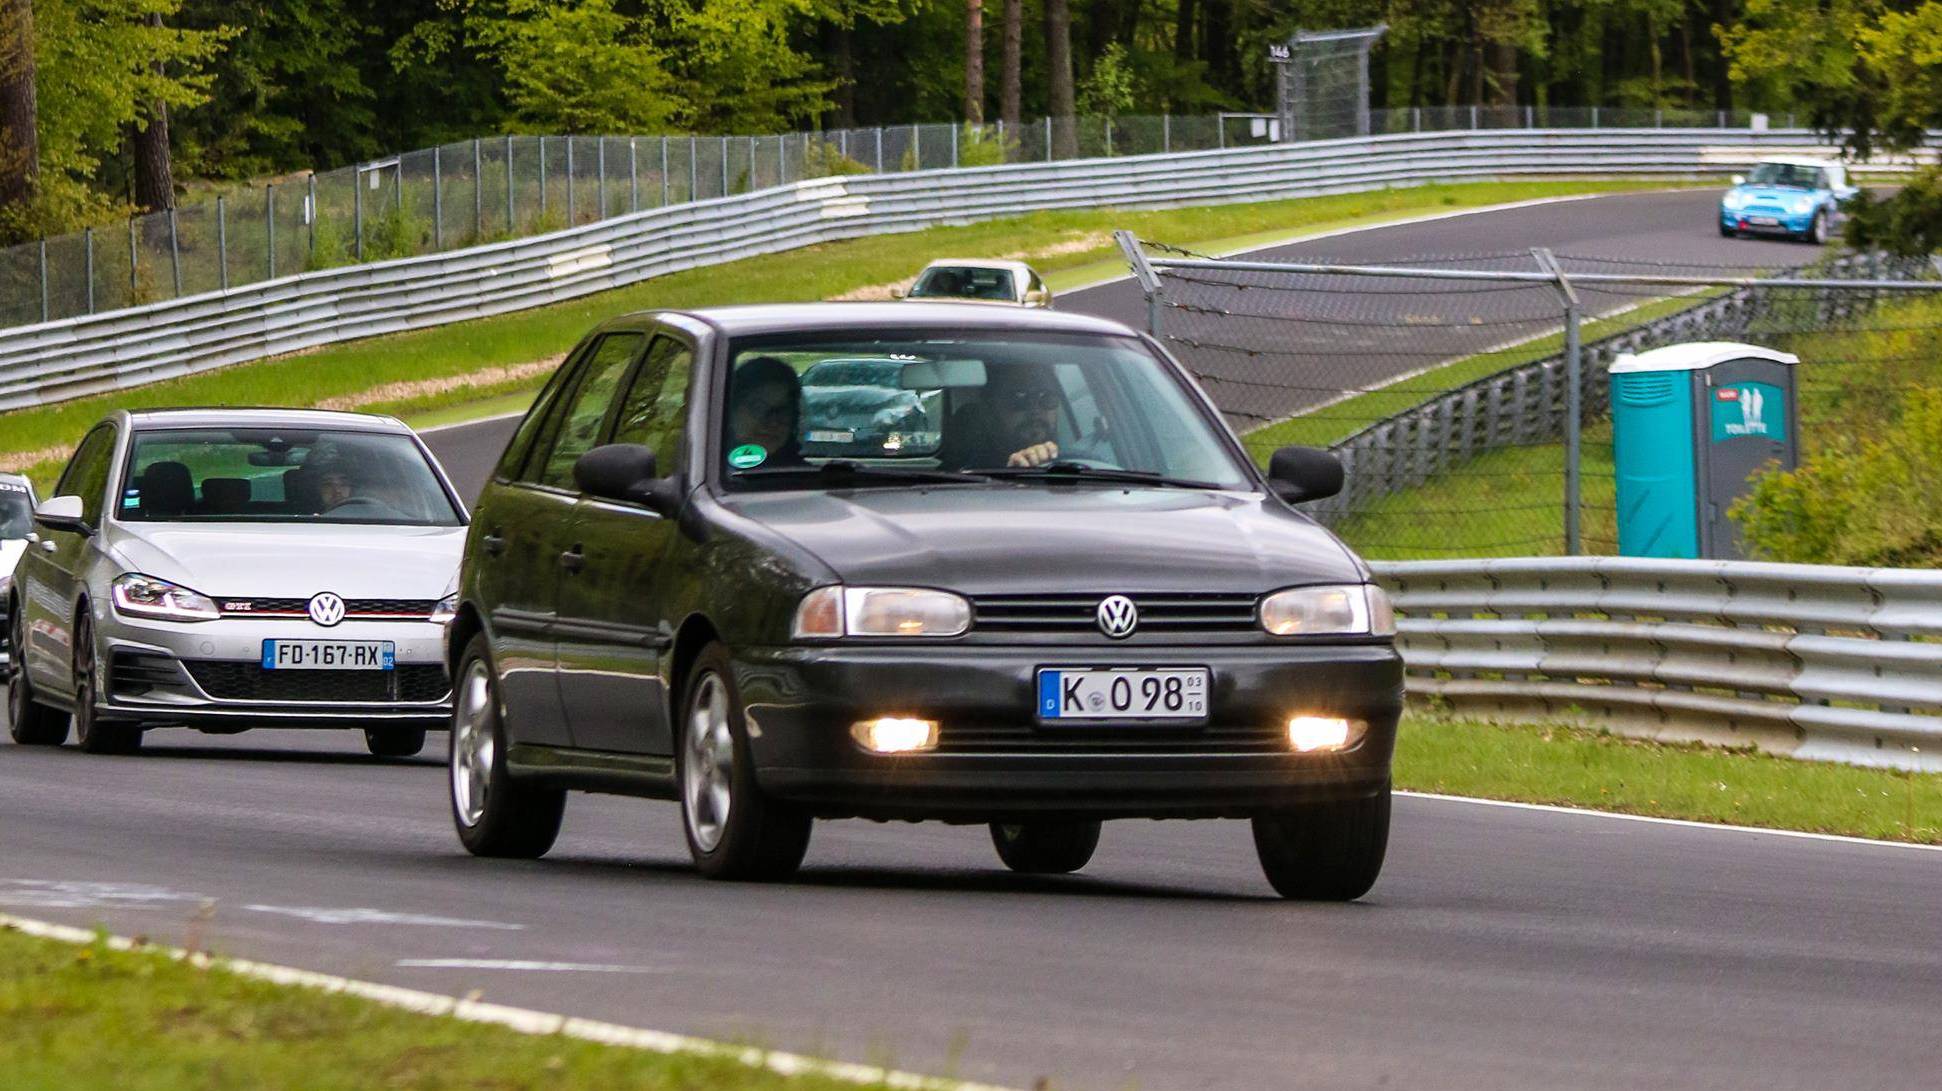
(651, 412)
(575, 428)
(521, 444)
(86, 475)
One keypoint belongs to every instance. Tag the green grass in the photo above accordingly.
(1071, 247)
(1576, 767)
(91, 1016)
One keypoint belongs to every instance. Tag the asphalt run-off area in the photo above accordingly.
(1503, 946)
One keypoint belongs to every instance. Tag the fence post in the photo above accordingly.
(724, 191)
(1594, 117)
(1166, 133)
(222, 243)
(752, 147)
(600, 184)
(478, 190)
(1658, 118)
(954, 145)
(879, 149)
(134, 251)
(511, 229)
(664, 172)
(916, 148)
(1530, 117)
(1473, 115)
(269, 228)
(1220, 132)
(542, 178)
(569, 181)
(633, 176)
(175, 255)
(43, 278)
(1416, 119)
(357, 212)
(1573, 400)
(438, 196)
(310, 218)
(87, 258)
(1109, 138)
(1143, 273)
(1048, 138)
(694, 171)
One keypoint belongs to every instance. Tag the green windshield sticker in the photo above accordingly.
(748, 456)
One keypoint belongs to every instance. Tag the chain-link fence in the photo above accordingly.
(1322, 82)
(1450, 384)
(507, 187)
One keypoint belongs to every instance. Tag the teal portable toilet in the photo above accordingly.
(1691, 425)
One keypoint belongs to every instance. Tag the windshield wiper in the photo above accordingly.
(1079, 471)
(839, 469)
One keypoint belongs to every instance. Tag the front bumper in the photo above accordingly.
(209, 674)
(995, 760)
(1784, 223)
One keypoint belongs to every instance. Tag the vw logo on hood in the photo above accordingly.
(326, 609)
(1117, 616)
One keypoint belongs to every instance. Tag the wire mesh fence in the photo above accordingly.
(496, 188)
(1446, 382)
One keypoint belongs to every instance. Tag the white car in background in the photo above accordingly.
(225, 569)
(16, 523)
(976, 280)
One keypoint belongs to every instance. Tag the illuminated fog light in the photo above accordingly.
(895, 734)
(1308, 734)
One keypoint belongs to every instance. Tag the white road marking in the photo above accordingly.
(69, 894)
(522, 965)
(523, 1020)
(470, 423)
(1587, 812)
(327, 915)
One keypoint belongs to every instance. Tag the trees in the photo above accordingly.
(974, 61)
(1059, 91)
(19, 140)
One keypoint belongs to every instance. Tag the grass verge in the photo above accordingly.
(1071, 247)
(92, 1016)
(1582, 768)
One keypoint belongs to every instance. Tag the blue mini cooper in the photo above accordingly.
(1797, 198)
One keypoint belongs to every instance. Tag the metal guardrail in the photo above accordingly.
(1816, 662)
(54, 361)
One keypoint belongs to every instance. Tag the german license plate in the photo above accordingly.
(1130, 694)
(329, 655)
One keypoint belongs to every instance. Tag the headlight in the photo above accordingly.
(1347, 610)
(446, 610)
(1734, 199)
(145, 596)
(880, 611)
(1800, 205)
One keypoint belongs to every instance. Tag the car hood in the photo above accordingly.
(1056, 538)
(270, 560)
(10, 551)
(1780, 195)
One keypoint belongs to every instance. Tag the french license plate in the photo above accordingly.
(1137, 694)
(329, 655)
(1763, 221)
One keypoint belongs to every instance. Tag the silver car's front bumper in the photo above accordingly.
(211, 674)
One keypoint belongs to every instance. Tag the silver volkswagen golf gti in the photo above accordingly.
(232, 568)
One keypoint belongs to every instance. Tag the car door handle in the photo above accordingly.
(573, 560)
(494, 543)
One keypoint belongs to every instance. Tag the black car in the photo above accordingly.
(1081, 602)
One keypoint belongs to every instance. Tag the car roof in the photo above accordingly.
(16, 479)
(262, 417)
(980, 263)
(763, 318)
(1798, 161)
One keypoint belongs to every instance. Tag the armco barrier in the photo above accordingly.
(58, 360)
(1818, 662)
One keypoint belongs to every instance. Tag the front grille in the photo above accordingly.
(285, 607)
(1112, 739)
(415, 683)
(1067, 613)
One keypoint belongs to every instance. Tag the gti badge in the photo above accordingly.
(326, 609)
(1117, 616)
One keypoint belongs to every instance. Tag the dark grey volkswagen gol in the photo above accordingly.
(1056, 591)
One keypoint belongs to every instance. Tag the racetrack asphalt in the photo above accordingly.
(1502, 947)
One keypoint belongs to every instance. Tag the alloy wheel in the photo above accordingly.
(708, 764)
(474, 745)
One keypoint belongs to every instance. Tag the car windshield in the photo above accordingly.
(962, 282)
(890, 408)
(1793, 175)
(283, 475)
(16, 511)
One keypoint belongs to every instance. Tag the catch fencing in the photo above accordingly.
(52, 361)
(1467, 394)
(1816, 662)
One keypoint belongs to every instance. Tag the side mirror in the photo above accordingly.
(62, 513)
(1739, 179)
(625, 472)
(1038, 297)
(1304, 473)
(898, 293)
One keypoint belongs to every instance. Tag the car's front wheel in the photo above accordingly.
(495, 814)
(1045, 848)
(394, 742)
(1817, 231)
(1324, 851)
(734, 831)
(29, 722)
(91, 733)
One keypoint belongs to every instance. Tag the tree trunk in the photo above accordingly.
(1008, 63)
(1723, 14)
(836, 46)
(1503, 73)
(154, 172)
(1217, 44)
(19, 136)
(1058, 62)
(974, 61)
(1183, 31)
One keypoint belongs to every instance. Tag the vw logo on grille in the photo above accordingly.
(326, 609)
(1117, 616)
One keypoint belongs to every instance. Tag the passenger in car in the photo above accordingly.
(765, 410)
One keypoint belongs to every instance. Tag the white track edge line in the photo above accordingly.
(522, 1020)
(1724, 827)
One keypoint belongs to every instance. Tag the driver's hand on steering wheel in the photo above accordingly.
(1036, 455)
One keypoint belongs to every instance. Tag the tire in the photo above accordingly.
(394, 742)
(1726, 232)
(91, 733)
(733, 830)
(494, 814)
(29, 722)
(1817, 232)
(1045, 848)
(1329, 852)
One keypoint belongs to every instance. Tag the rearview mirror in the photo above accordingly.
(62, 513)
(943, 375)
(625, 472)
(1739, 179)
(1304, 473)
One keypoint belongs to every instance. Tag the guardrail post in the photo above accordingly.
(438, 197)
(1143, 274)
(87, 259)
(175, 255)
(222, 243)
(43, 279)
(357, 213)
(1573, 400)
(269, 228)
(633, 176)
